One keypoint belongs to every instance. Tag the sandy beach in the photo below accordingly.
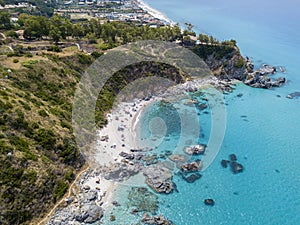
(155, 13)
(116, 137)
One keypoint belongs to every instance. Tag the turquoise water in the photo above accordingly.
(263, 126)
(267, 32)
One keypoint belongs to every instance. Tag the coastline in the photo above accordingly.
(95, 188)
(155, 13)
(93, 181)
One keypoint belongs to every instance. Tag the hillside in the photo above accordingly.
(39, 157)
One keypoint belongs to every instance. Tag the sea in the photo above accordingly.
(262, 126)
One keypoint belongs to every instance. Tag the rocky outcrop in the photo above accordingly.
(156, 220)
(159, 179)
(195, 150)
(224, 163)
(84, 207)
(234, 165)
(189, 178)
(257, 80)
(232, 66)
(89, 213)
(192, 167)
(121, 171)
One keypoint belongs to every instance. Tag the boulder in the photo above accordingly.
(236, 167)
(91, 213)
(191, 178)
(224, 163)
(209, 201)
(232, 157)
(156, 220)
(159, 179)
(192, 167)
(195, 150)
(92, 195)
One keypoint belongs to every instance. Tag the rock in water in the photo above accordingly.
(192, 167)
(293, 95)
(190, 179)
(224, 163)
(209, 201)
(156, 220)
(232, 157)
(236, 167)
(143, 200)
(178, 158)
(159, 179)
(195, 150)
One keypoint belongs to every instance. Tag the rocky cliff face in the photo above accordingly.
(227, 63)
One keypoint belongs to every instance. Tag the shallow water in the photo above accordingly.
(262, 126)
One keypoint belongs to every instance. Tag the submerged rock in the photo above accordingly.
(202, 106)
(191, 178)
(209, 201)
(143, 200)
(178, 158)
(293, 95)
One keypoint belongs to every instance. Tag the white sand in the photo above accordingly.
(155, 13)
(120, 131)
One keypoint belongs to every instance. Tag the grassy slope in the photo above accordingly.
(38, 153)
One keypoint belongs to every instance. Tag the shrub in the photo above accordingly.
(240, 63)
(12, 34)
(96, 54)
(54, 48)
(43, 113)
(60, 189)
(15, 61)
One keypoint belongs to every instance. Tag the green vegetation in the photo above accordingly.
(240, 63)
(39, 155)
(38, 151)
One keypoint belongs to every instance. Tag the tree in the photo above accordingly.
(55, 34)
(35, 27)
(62, 24)
(189, 30)
(77, 31)
(5, 20)
(203, 38)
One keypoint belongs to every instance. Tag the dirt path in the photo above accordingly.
(67, 195)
